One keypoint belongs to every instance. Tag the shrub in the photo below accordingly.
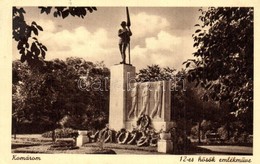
(62, 133)
(64, 144)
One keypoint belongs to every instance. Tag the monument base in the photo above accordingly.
(157, 125)
(165, 146)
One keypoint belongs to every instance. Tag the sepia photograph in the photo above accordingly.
(129, 82)
(132, 80)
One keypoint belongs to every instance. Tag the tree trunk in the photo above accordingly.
(228, 130)
(15, 129)
(199, 129)
(53, 135)
(15, 133)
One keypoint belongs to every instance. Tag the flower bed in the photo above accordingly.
(62, 133)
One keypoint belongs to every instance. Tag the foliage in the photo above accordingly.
(155, 73)
(62, 133)
(50, 96)
(224, 64)
(37, 97)
(222, 131)
(66, 11)
(25, 34)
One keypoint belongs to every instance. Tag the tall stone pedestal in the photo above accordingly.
(120, 78)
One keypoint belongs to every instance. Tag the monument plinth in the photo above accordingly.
(130, 100)
(119, 79)
(152, 99)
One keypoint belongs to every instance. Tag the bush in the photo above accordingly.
(62, 133)
(222, 131)
(243, 139)
(64, 144)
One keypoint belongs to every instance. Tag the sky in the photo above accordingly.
(161, 35)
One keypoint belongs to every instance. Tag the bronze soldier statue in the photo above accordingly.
(124, 34)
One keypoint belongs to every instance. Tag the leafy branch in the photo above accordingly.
(25, 34)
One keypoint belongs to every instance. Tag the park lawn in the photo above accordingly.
(31, 143)
(123, 147)
(43, 149)
(35, 143)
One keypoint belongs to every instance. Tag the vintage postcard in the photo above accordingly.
(139, 81)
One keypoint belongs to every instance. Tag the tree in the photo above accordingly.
(47, 95)
(224, 64)
(38, 98)
(19, 72)
(25, 34)
(155, 73)
(94, 94)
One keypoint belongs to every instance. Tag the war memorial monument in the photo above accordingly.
(136, 108)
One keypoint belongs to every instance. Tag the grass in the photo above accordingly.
(122, 146)
(38, 144)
